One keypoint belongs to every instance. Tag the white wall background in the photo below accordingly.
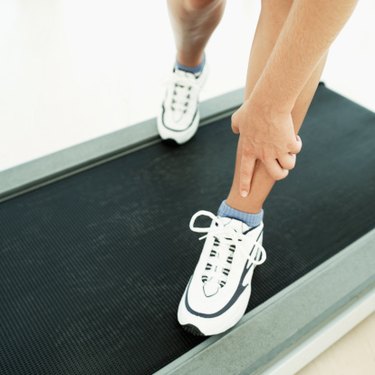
(72, 70)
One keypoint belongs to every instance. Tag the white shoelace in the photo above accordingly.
(182, 87)
(226, 241)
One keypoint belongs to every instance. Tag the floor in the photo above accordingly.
(70, 72)
(353, 354)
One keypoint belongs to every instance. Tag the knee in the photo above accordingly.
(197, 5)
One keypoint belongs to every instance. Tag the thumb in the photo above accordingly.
(235, 123)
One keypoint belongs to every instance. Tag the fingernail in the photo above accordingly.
(244, 193)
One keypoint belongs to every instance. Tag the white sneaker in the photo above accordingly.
(218, 293)
(179, 115)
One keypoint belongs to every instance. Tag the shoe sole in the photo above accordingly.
(192, 330)
(179, 137)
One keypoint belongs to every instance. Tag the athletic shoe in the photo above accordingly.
(219, 290)
(179, 115)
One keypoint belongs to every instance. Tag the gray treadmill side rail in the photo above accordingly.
(74, 159)
(282, 324)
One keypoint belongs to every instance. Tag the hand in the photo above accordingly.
(266, 135)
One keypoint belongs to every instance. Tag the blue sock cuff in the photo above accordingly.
(252, 220)
(192, 69)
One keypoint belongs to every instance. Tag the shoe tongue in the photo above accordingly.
(237, 225)
(182, 73)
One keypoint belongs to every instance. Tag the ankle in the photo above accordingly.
(251, 219)
(193, 64)
(243, 205)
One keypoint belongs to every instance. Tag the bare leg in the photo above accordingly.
(270, 23)
(193, 22)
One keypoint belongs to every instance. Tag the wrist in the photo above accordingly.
(273, 98)
(267, 108)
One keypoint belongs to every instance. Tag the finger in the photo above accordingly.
(246, 174)
(296, 146)
(287, 161)
(235, 123)
(275, 170)
(235, 128)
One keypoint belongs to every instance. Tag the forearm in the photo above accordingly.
(308, 32)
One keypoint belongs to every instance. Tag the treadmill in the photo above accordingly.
(95, 249)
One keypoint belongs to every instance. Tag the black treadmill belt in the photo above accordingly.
(92, 267)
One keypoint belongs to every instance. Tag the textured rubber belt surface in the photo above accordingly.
(92, 267)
